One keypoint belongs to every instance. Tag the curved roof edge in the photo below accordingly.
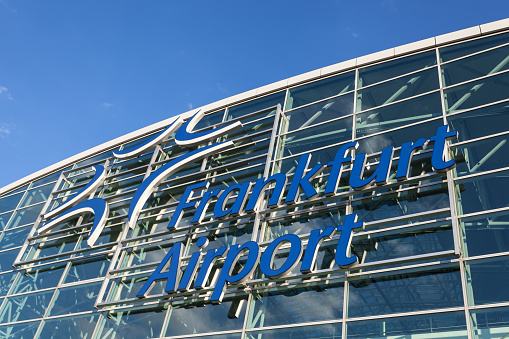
(395, 52)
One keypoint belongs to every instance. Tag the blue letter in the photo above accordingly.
(437, 158)
(211, 256)
(315, 239)
(231, 259)
(237, 205)
(261, 184)
(345, 239)
(405, 155)
(291, 261)
(381, 173)
(202, 206)
(184, 204)
(337, 164)
(172, 259)
(299, 179)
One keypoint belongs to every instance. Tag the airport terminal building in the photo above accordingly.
(366, 199)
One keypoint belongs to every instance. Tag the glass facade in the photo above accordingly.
(432, 256)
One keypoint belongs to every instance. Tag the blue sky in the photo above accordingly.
(75, 74)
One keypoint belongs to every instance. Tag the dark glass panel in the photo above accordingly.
(74, 299)
(286, 306)
(7, 259)
(38, 278)
(487, 279)
(399, 114)
(484, 192)
(491, 323)
(476, 66)
(25, 216)
(80, 327)
(405, 292)
(483, 155)
(256, 105)
(25, 307)
(321, 112)
(11, 202)
(87, 269)
(48, 179)
(36, 195)
(14, 238)
(139, 324)
(487, 233)
(210, 120)
(477, 93)
(390, 69)
(319, 90)
(229, 315)
(4, 219)
(330, 331)
(397, 89)
(438, 325)
(466, 48)
(480, 122)
(6, 280)
(19, 331)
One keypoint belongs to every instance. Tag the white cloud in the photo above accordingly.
(107, 105)
(4, 92)
(12, 10)
(355, 35)
(5, 130)
(221, 88)
(190, 106)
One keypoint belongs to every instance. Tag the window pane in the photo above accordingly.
(440, 325)
(87, 269)
(492, 323)
(24, 307)
(256, 105)
(319, 90)
(38, 278)
(71, 327)
(75, 299)
(139, 324)
(323, 111)
(47, 179)
(210, 120)
(330, 331)
(4, 219)
(459, 50)
(6, 280)
(476, 66)
(487, 233)
(480, 122)
(291, 306)
(9, 203)
(484, 192)
(7, 259)
(477, 93)
(488, 280)
(25, 216)
(483, 155)
(307, 139)
(387, 70)
(14, 238)
(405, 292)
(19, 331)
(397, 89)
(229, 315)
(400, 114)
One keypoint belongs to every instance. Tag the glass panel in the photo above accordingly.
(17, 191)
(483, 155)
(492, 323)
(6, 282)
(48, 179)
(399, 114)
(25, 216)
(480, 122)
(307, 139)
(87, 269)
(70, 327)
(7, 259)
(210, 120)
(38, 278)
(139, 324)
(485, 234)
(11, 202)
(397, 89)
(319, 90)
(14, 238)
(4, 219)
(482, 193)
(487, 279)
(387, 70)
(405, 292)
(24, 307)
(323, 111)
(285, 305)
(459, 50)
(19, 331)
(398, 137)
(477, 93)
(476, 66)
(95, 159)
(330, 331)
(229, 315)
(256, 105)
(74, 299)
(441, 325)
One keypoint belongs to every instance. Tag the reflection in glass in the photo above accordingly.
(139, 324)
(26, 306)
(485, 234)
(70, 327)
(491, 323)
(19, 331)
(38, 278)
(330, 331)
(74, 299)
